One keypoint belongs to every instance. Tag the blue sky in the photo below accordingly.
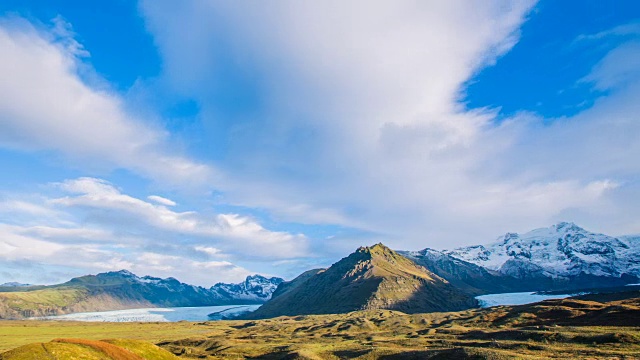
(208, 140)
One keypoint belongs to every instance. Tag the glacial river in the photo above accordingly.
(158, 314)
(519, 298)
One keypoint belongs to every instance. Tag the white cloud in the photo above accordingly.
(105, 229)
(25, 248)
(162, 201)
(362, 124)
(199, 272)
(26, 207)
(46, 105)
(238, 232)
(210, 251)
(619, 67)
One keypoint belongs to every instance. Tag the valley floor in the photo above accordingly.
(558, 329)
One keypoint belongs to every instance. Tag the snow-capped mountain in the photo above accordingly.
(256, 287)
(118, 290)
(564, 250)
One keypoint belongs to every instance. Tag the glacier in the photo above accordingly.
(172, 314)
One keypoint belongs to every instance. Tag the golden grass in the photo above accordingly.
(22, 332)
(77, 349)
(111, 351)
(502, 333)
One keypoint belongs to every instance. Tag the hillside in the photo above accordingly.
(124, 290)
(371, 278)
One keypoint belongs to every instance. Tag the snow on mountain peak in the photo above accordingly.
(125, 273)
(561, 250)
(254, 287)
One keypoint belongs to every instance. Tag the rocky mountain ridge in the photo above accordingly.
(563, 256)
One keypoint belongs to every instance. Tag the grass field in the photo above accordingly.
(22, 332)
(555, 329)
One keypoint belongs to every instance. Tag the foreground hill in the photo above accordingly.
(124, 290)
(371, 278)
(65, 349)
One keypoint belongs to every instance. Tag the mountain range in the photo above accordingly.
(123, 290)
(561, 257)
(15, 284)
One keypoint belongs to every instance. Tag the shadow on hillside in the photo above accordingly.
(427, 298)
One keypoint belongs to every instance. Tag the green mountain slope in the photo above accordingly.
(119, 290)
(371, 278)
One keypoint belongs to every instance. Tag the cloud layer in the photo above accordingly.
(359, 121)
(93, 226)
(341, 119)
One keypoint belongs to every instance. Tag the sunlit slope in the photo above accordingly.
(61, 300)
(71, 349)
(373, 277)
(118, 290)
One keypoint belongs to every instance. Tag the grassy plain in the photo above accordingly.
(555, 329)
(22, 332)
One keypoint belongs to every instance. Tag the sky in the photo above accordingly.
(211, 140)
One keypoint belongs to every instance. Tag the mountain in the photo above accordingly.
(15, 284)
(118, 290)
(561, 254)
(256, 288)
(471, 278)
(370, 278)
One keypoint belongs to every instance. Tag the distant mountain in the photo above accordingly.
(15, 284)
(371, 278)
(256, 288)
(117, 290)
(563, 254)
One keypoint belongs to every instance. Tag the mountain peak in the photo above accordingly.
(120, 273)
(567, 226)
(374, 277)
(378, 249)
(125, 272)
